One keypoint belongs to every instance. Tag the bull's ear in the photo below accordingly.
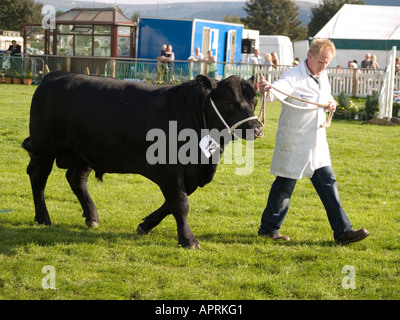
(205, 83)
(251, 80)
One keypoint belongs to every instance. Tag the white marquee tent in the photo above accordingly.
(358, 29)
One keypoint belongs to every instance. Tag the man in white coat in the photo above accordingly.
(301, 149)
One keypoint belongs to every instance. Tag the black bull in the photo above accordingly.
(90, 123)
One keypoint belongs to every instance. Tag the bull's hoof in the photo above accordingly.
(194, 244)
(141, 231)
(46, 222)
(192, 247)
(92, 224)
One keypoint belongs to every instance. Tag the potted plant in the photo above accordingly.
(28, 78)
(8, 77)
(17, 79)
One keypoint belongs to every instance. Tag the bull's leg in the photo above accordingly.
(38, 170)
(179, 206)
(77, 176)
(152, 220)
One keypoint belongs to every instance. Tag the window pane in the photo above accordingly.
(124, 49)
(51, 44)
(65, 45)
(34, 40)
(102, 46)
(124, 31)
(83, 45)
(102, 29)
(82, 29)
(64, 28)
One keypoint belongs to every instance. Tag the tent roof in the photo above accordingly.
(363, 22)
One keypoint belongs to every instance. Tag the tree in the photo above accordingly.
(233, 19)
(274, 17)
(324, 12)
(14, 13)
(135, 16)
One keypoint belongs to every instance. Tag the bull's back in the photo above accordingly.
(66, 104)
(104, 121)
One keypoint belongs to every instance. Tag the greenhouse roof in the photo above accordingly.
(109, 16)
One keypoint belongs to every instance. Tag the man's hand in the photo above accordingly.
(263, 85)
(331, 106)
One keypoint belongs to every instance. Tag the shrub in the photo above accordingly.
(348, 109)
(371, 105)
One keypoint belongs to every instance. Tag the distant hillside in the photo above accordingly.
(201, 10)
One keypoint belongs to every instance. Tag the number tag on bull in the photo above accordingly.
(208, 145)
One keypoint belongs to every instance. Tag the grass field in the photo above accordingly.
(113, 262)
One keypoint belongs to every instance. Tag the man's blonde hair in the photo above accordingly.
(318, 45)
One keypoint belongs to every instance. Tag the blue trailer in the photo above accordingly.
(224, 39)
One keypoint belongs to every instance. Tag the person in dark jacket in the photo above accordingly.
(14, 49)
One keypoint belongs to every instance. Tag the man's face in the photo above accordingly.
(317, 64)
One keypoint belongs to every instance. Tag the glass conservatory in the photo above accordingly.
(91, 32)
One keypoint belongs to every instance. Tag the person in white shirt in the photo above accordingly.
(197, 59)
(256, 59)
(301, 149)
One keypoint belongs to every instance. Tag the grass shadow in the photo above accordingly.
(254, 238)
(13, 236)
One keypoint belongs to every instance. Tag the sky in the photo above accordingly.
(170, 1)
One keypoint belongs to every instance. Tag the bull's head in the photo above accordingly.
(230, 103)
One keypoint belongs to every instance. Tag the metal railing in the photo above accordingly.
(360, 83)
(22, 66)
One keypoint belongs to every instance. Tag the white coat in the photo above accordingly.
(301, 146)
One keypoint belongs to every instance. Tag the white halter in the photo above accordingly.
(237, 124)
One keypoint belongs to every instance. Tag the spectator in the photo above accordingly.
(352, 65)
(196, 58)
(256, 59)
(268, 59)
(374, 64)
(212, 66)
(274, 59)
(169, 54)
(169, 59)
(366, 63)
(14, 49)
(161, 65)
(397, 64)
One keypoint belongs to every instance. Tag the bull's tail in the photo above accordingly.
(27, 145)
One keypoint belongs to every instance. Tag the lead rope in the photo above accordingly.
(261, 116)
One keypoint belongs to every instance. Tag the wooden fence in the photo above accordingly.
(354, 82)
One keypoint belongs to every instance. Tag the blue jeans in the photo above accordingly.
(325, 184)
